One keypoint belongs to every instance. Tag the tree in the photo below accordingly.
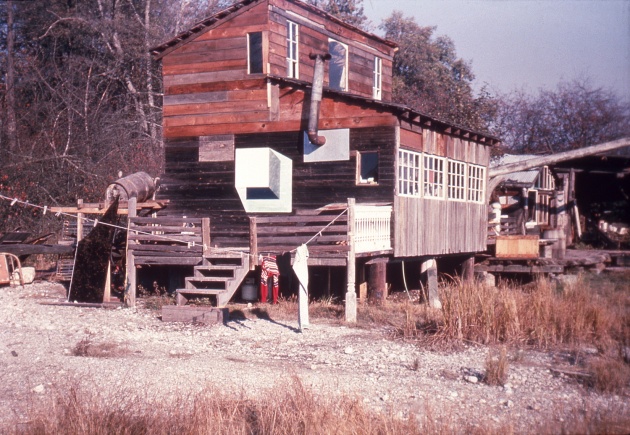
(349, 11)
(429, 76)
(574, 115)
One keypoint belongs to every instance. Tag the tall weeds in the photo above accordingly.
(538, 315)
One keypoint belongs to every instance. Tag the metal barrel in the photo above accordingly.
(139, 185)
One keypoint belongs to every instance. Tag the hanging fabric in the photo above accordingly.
(269, 269)
(300, 267)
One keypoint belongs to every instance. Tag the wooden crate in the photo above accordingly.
(517, 247)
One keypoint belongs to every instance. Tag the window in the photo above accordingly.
(408, 173)
(456, 180)
(378, 78)
(433, 181)
(254, 53)
(368, 168)
(476, 183)
(292, 50)
(338, 67)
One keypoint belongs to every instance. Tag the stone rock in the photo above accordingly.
(348, 351)
(471, 379)
(39, 389)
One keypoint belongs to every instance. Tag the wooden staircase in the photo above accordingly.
(218, 277)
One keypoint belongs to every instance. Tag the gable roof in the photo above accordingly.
(164, 48)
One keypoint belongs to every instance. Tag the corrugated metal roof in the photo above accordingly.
(520, 177)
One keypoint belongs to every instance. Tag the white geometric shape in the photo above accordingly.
(263, 180)
(336, 148)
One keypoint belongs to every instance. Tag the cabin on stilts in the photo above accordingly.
(279, 130)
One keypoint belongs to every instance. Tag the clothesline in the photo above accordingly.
(96, 222)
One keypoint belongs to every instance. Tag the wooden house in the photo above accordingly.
(279, 130)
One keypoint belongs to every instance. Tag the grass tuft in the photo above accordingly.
(497, 366)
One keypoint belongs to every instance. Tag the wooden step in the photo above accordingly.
(182, 293)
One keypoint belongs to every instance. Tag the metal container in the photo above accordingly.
(249, 291)
(139, 185)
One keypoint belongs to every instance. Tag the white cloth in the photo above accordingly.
(300, 267)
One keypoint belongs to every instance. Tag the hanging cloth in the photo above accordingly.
(300, 267)
(269, 269)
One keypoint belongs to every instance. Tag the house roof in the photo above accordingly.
(405, 112)
(520, 177)
(204, 24)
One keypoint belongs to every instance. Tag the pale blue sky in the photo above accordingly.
(529, 44)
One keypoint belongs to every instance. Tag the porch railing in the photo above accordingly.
(372, 228)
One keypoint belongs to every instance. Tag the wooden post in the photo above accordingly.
(131, 263)
(205, 236)
(468, 269)
(107, 294)
(253, 243)
(428, 269)
(377, 282)
(351, 295)
(79, 221)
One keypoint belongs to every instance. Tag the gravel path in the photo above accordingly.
(156, 358)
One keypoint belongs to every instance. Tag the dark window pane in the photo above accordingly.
(255, 53)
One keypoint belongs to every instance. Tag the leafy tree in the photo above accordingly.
(349, 11)
(429, 76)
(574, 115)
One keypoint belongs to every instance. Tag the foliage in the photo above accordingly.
(349, 11)
(574, 115)
(429, 76)
(86, 96)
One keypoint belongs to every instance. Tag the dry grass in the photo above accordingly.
(88, 347)
(294, 411)
(609, 375)
(497, 366)
(539, 315)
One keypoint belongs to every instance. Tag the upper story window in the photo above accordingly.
(456, 180)
(293, 64)
(338, 66)
(476, 183)
(378, 78)
(254, 53)
(409, 167)
(433, 180)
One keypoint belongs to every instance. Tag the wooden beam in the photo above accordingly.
(351, 295)
(253, 243)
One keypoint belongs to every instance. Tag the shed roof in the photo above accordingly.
(520, 177)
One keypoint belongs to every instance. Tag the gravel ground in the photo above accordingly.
(255, 355)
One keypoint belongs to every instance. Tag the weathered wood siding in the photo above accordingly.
(200, 189)
(426, 227)
(314, 33)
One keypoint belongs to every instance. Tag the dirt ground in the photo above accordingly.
(142, 354)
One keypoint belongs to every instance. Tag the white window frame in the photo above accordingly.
(476, 183)
(293, 50)
(344, 78)
(377, 89)
(456, 180)
(409, 173)
(371, 181)
(433, 176)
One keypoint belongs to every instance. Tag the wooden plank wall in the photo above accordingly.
(200, 189)
(438, 227)
(314, 32)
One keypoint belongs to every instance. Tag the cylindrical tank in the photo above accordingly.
(139, 185)
(249, 291)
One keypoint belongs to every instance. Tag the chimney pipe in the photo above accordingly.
(316, 99)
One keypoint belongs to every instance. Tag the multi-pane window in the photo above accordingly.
(409, 167)
(338, 65)
(456, 180)
(254, 53)
(433, 176)
(378, 78)
(292, 51)
(476, 183)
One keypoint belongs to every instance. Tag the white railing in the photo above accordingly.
(372, 228)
